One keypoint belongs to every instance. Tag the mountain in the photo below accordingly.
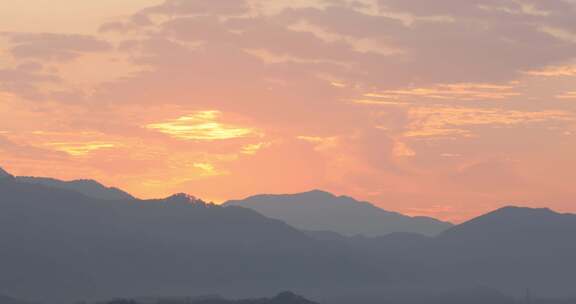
(322, 211)
(4, 174)
(512, 247)
(523, 225)
(87, 187)
(282, 298)
(9, 300)
(513, 231)
(59, 245)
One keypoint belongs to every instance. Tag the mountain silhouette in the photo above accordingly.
(322, 211)
(90, 188)
(512, 247)
(286, 297)
(4, 174)
(9, 300)
(282, 298)
(87, 187)
(60, 245)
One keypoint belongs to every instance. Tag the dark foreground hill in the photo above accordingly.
(322, 211)
(60, 245)
(282, 298)
(9, 300)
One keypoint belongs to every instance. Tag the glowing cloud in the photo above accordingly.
(252, 149)
(207, 169)
(80, 148)
(456, 91)
(554, 71)
(452, 121)
(201, 126)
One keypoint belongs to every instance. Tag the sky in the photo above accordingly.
(442, 108)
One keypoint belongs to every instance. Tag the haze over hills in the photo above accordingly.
(60, 245)
(322, 211)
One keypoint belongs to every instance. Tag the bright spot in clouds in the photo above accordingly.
(201, 126)
(80, 148)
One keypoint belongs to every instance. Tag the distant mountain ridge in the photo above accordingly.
(282, 298)
(318, 210)
(4, 173)
(60, 245)
(88, 187)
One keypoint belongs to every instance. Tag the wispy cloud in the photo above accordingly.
(80, 148)
(555, 71)
(450, 122)
(456, 91)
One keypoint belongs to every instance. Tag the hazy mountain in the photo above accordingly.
(90, 188)
(59, 245)
(322, 211)
(87, 187)
(4, 174)
(523, 225)
(514, 248)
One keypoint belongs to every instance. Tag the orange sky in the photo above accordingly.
(447, 110)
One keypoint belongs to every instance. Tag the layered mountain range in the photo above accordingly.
(62, 244)
(322, 211)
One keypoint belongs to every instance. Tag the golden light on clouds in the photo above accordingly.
(452, 121)
(554, 71)
(456, 91)
(80, 148)
(320, 143)
(401, 149)
(207, 169)
(201, 126)
(252, 149)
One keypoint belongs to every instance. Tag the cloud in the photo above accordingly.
(454, 92)
(26, 81)
(199, 7)
(559, 33)
(201, 126)
(461, 49)
(490, 175)
(54, 47)
(80, 148)
(450, 122)
(12, 149)
(554, 71)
